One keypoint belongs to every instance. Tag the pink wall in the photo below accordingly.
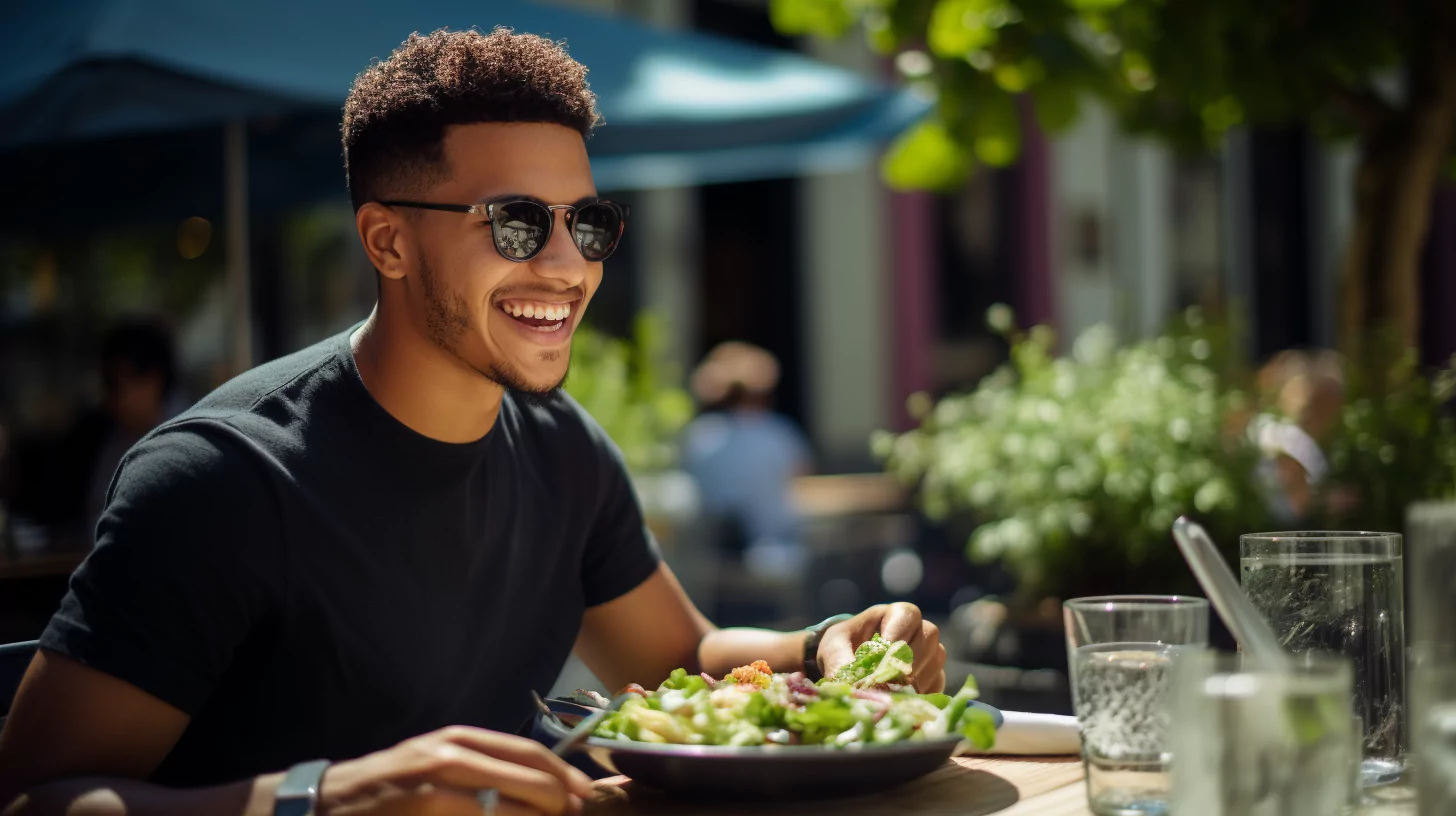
(913, 266)
(1036, 290)
(911, 284)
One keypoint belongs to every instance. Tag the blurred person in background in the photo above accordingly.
(332, 585)
(1306, 390)
(745, 456)
(59, 483)
(139, 376)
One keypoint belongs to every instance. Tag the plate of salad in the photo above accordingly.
(754, 733)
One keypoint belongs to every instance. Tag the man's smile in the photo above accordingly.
(544, 321)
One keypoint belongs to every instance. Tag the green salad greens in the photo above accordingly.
(866, 702)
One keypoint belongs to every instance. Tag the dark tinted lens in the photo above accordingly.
(596, 230)
(520, 228)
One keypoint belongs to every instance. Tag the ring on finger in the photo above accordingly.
(489, 800)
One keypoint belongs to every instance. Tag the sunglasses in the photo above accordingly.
(520, 228)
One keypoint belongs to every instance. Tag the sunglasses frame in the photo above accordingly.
(488, 212)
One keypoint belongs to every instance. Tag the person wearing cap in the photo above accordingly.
(744, 456)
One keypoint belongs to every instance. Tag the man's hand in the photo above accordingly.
(440, 773)
(897, 621)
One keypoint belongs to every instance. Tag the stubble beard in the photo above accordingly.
(447, 319)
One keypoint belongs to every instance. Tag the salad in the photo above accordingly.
(866, 702)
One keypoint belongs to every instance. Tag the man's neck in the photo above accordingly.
(432, 392)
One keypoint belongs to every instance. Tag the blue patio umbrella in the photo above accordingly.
(680, 107)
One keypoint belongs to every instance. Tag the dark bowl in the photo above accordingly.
(780, 771)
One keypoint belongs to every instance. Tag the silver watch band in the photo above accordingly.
(297, 794)
(811, 645)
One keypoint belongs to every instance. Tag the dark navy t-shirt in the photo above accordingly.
(309, 578)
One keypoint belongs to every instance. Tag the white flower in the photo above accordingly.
(1096, 345)
(1000, 318)
(1180, 429)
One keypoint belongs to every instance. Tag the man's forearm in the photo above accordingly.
(723, 650)
(103, 796)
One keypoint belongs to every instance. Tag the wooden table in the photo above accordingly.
(966, 786)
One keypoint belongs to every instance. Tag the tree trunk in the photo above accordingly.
(1401, 161)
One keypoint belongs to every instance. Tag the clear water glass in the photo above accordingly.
(1121, 650)
(1251, 741)
(1342, 593)
(1432, 530)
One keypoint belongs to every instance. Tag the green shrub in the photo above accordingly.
(1075, 467)
(633, 391)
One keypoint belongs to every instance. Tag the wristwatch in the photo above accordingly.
(811, 645)
(297, 794)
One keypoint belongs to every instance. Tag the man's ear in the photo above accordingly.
(387, 239)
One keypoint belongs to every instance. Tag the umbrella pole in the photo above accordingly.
(235, 175)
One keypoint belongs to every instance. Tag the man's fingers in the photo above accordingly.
(925, 643)
(521, 751)
(836, 649)
(929, 674)
(929, 657)
(443, 801)
(901, 622)
(458, 766)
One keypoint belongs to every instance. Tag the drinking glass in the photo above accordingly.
(1255, 741)
(1121, 649)
(1432, 530)
(1342, 592)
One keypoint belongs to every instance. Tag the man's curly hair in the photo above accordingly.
(398, 109)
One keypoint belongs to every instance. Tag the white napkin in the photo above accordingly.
(1027, 734)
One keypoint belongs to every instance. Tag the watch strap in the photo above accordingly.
(815, 634)
(297, 794)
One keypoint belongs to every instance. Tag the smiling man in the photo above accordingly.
(370, 552)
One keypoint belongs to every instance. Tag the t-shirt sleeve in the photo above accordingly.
(621, 552)
(184, 569)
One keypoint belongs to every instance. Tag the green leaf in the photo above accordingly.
(867, 658)
(632, 391)
(958, 27)
(880, 35)
(937, 699)
(1137, 71)
(1315, 718)
(997, 129)
(763, 713)
(821, 720)
(978, 726)
(1016, 77)
(926, 157)
(824, 18)
(1223, 114)
(894, 666)
(680, 680)
(830, 689)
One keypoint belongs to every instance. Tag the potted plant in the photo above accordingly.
(1074, 467)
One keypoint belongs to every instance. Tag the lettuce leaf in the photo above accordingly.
(821, 720)
(866, 659)
(680, 680)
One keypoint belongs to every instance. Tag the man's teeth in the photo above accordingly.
(538, 311)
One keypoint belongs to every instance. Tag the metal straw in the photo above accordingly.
(1238, 612)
